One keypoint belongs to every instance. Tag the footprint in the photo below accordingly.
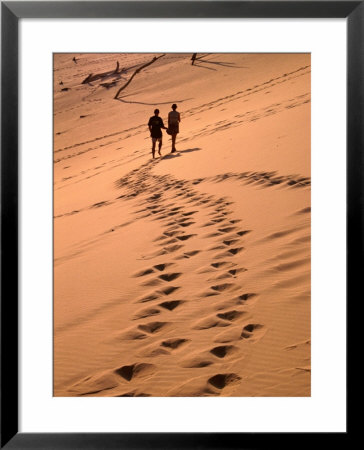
(210, 322)
(208, 224)
(134, 394)
(168, 290)
(234, 272)
(203, 202)
(226, 229)
(211, 235)
(229, 253)
(231, 315)
(170, 241)
(223, 276)
(224, 287)
(154, 282)
(100, 204)
(230, 335)
(173, 344)
(221, 380)
(171, 305)
(170, 233)
(156, 211)
(195, 387)
(223, 350)
(230, 241)
(304, 210)
(192, 253)
(244, 298)
(169, 276)
(183, 220)
(217, 265)
(135, 371)
(152, 327)
(299, 344)
(95, 384)
(188, 254)
(196, 363)
(291, 265)
(185, 237)
(249, 330)
(205, 270)
(148, 298)
(146, 313)
(216, 247)
(133, 335)
(162, 267)
(151, 351)
(280, 234)
(186, 224)
(235, 251)
(241, 233)
(144, 272)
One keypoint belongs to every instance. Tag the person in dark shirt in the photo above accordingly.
(155, 125)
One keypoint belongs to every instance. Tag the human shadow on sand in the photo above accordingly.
(201, 60)
(189, 150)
(171, 156)
(121, 99)
(178, 153)
(200, 66)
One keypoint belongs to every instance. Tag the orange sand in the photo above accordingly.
(187, 275)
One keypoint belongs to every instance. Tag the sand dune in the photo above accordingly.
(189, 274)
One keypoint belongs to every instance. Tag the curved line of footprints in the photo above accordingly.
(162, 279)
(178, 228)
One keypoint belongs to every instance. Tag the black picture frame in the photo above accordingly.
(11, 12)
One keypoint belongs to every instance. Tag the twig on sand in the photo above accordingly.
(136, 72)
(97, 76)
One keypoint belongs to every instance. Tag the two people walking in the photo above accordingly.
(156, 125)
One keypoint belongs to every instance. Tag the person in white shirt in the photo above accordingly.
(174, 119)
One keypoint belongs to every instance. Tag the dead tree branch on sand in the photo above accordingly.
(137, 71)
(98, 76)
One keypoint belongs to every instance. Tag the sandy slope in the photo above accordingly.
(187, 275)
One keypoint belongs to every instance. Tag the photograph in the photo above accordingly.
(181, 224)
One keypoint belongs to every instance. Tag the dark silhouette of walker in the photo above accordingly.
(155, 126)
